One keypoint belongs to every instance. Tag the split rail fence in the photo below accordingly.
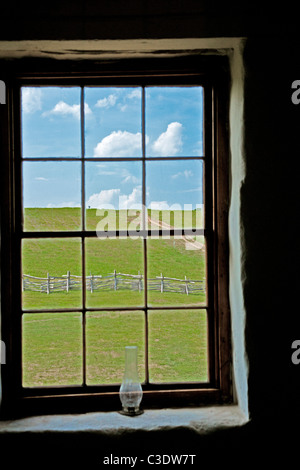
(114, 281)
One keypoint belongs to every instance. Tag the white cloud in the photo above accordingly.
(31, 99)
(106, 102)
(129, 177)
(169, 142)
(105, 199)
(41, 178)
(159, 205)
(101, 165)
(185, 173)
(106, 173)
(65, 109)
(112, 198)
(104, 170)
(87, 110)
(123, 173)
(123, 107)
(136, 93)
(192, 190)
(119, 144)
(132, 201)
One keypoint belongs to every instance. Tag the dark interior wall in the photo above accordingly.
(117, 19)
(269, 194)
(270, 214)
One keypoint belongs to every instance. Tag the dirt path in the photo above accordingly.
(191, 244)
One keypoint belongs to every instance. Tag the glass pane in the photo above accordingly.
(107, 334)
(113, 127)
(114, 269)
(113, 195)
(178, 346)
(175, 194)
(51, 196)
(174, 121)
(50, 122)
(51, 273)
(52, 349)
(176, 271)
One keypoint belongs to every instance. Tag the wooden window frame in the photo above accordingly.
(209, 72)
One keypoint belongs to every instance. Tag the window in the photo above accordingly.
(119, 238)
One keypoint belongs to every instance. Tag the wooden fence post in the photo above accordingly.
(68, 281)
(186, 286)
(135, 281)
(91, 281)
(48, 283)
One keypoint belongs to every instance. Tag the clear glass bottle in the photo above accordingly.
(131, 392)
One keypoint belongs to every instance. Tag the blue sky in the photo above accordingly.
(51, 128)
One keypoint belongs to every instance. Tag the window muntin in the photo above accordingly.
(210, 306)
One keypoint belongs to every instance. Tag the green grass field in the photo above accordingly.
(66, 218)
(52, 342)
(52, 346)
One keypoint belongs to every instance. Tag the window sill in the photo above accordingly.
(199, 420)
(93, 439)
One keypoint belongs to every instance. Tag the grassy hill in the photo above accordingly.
(52, 351)
(69, 218)
(169, 257)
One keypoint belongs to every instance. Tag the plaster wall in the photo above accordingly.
(236, 239)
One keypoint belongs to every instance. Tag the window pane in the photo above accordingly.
(52, 349)
(113, 122)
(174, 121)
(51, 273)
(178, 346)
(114, 269)
(113, 195)
(50, 121)
(51, 196)
(176, 271)
(175, 194)
(107, 335)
